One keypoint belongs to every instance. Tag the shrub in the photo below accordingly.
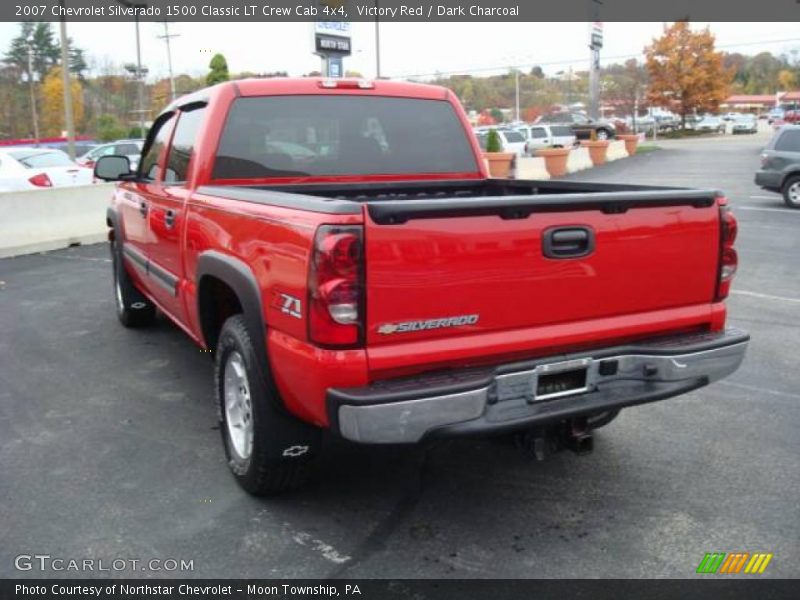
(493, 143)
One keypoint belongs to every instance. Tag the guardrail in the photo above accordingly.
(49, 219)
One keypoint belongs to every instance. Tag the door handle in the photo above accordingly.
(143, 208)
(568, 242)
(169, 218)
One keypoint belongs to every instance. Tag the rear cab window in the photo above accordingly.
(328, 135)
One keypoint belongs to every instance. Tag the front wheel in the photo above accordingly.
(267, 449)
(603, 134)
(133, 309)
(791, 191)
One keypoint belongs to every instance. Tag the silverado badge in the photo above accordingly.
(424, 325)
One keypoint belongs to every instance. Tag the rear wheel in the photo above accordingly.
(791, 191)
(133, 309)
(268, 450)
(603, 134)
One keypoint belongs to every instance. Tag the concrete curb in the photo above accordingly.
(49, 219)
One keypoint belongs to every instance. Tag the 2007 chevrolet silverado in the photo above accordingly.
(339, 247)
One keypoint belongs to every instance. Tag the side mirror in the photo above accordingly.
(113, 168)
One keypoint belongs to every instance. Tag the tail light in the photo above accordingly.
(41, 180)
(336, 287)
(728, 259)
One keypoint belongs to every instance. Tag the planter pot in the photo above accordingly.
(631, 141)
(555, 160)
(499, 163)
(597, 150)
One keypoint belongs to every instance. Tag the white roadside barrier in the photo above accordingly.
(616, 150)
(529, 167)
(41, 220)
(579, 160)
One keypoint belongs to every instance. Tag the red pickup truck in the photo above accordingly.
(340, 249)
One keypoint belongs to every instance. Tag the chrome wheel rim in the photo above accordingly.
(238, 406)
(602, 135)
(794, 192)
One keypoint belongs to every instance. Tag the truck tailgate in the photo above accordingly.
(479, 268)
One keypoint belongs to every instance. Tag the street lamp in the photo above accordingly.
(139, 72)
(68, 120)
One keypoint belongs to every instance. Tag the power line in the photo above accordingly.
(555, 63)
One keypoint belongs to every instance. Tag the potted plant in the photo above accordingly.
(499, 162)
(597, 149)
(555, 160)
(631, 142)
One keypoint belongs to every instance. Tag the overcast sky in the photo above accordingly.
(406, 48)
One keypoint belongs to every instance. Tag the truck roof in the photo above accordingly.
(281, 86)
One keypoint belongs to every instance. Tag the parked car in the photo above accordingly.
(581, 125)
(776, 114)
(745, 124)
(546, 136)
(36, 168)
(780, 165)
(792, 117)
(711, 124)
(511, 139)
(394, 296)
(130, 148)
(730, 116)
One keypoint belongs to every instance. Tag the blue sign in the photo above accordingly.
(335, 66)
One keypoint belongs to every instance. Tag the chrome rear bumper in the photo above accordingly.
(509, 397)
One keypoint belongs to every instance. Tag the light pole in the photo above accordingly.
(595, 43)
(139, 71)
(68, 120)
(516, 86)
(34, 114)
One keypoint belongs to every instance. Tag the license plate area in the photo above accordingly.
(561, 379)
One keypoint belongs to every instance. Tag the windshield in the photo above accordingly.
(341, 135)
(40, 160)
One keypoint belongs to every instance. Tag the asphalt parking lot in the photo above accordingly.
(108, 446)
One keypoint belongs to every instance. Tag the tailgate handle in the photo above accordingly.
(568, 242)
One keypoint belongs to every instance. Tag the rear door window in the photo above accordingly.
(281, 136)
(538, 132)
(789, 141)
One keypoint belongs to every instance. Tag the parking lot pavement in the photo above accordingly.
(108, 447)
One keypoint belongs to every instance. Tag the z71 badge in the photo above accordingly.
(408, 326)
(288, 305)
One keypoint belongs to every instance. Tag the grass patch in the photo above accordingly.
(647, 147)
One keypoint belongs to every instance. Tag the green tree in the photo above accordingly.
(219, 70)
(109, 128)
(46, 51)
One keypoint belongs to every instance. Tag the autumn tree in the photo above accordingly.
(219, 70)
(52, 117)
(686, 73)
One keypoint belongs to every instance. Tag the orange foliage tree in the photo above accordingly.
(52, 119)
(686, 73)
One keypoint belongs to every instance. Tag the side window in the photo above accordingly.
(126, 149)
(182, 145)
(789, 141)
(538, 132)
(148, 167)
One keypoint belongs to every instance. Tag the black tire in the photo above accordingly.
(602, 419)
(133, 309)
(277, 453)
(603, 134)
(791, 191)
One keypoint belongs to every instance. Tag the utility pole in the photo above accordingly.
(65, 78)
(516, 85)
(595, 43)
(166, 38)
(33, 92)
(139, 76)
(377, 42)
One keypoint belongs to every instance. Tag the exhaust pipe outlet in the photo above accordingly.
(579, 437)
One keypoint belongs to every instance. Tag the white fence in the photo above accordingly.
(40, 220)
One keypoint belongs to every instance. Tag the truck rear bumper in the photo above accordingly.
(520, 395)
